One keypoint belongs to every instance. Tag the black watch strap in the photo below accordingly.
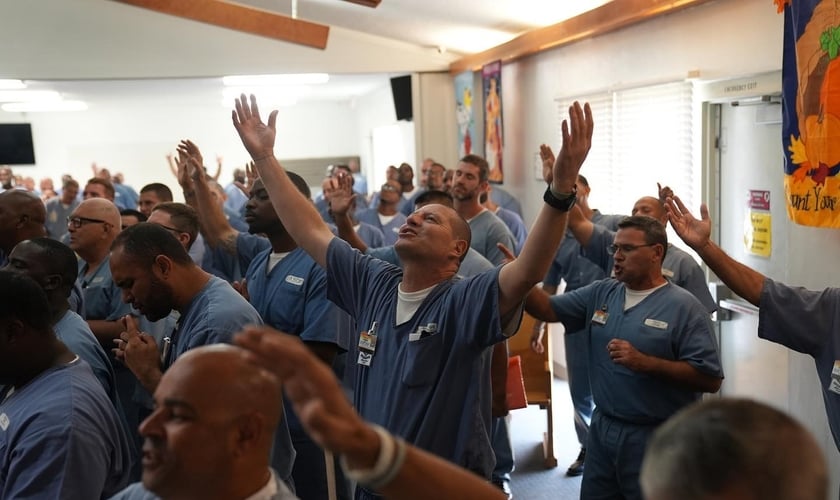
(563, 204)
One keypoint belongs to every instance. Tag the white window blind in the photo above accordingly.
(642, 136)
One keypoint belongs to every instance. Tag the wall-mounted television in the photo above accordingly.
(16, 144)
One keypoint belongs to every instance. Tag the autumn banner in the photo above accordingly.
(811, 126)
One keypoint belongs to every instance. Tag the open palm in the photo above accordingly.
(694, 232)
(257, 137)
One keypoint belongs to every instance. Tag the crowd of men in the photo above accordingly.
(235, 345)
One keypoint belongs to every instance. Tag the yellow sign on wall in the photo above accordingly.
(757, 233)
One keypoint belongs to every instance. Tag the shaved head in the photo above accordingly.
(650, 207)
(22, 217)
(100, 208)
(238, 385)
(220, 445)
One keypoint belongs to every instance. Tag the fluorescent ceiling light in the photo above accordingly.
(44, 106)
(267, 80)
(266, 94)
(29, 96)
(6, 84)
(266, 105)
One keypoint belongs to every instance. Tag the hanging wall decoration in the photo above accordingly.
(464, 112)
(811, 113)
(493, 137)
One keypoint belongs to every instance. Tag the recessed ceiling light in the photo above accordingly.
(267, 80)
(29, 95)
(44, 106)
(6, 84)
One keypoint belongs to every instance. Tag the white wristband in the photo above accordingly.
(387, 448)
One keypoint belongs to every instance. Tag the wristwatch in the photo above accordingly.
(562, 202)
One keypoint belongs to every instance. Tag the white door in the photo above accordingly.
(751, 159)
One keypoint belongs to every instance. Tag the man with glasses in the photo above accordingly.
(651, 352)
(678, 267)
(94, 226)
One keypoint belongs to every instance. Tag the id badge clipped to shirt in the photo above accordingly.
(600, 316)
(367, 345)
(834, 385)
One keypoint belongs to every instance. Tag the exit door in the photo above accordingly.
(750, 162)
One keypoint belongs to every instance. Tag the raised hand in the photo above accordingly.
(196, 171)
(257, 137)
(577, 140)
(190, 148)
(309, 384)
(251, 176)
(548, 158)
(341, 196)
(183, 173)
(696, 233)
(219, 161)
(665, 192)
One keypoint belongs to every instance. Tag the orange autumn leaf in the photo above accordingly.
(800, 173)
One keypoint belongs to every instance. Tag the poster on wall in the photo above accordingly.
(491, 76)
(811, 99)
(758, 224)
(464, 112)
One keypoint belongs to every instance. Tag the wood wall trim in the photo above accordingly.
(604, 19)
(242, 18)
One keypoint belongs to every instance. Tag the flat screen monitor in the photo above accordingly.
(16, 144)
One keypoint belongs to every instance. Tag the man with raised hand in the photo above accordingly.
(371, 455)
(803, 320)
(423, 333)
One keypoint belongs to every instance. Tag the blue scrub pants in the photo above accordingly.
(502, 448)
(577, 369)
(614, 458)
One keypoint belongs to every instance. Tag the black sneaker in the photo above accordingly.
(576, 469)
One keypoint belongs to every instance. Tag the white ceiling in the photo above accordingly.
(90, 43)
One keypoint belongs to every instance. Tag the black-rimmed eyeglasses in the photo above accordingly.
(627, 248)
(78, 222)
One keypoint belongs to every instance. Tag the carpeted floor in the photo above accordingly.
(531, 480)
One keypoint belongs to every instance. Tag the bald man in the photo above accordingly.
(422, 345)
(333, 424)
(93, 226)
(22, 217)
(733, 449)
(211, 433)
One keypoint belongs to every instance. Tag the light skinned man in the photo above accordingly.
(156, 276)
(210, 435)
(651, 352)
(733, 449)
(59, 208)
(288, 289)
(442, 342)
